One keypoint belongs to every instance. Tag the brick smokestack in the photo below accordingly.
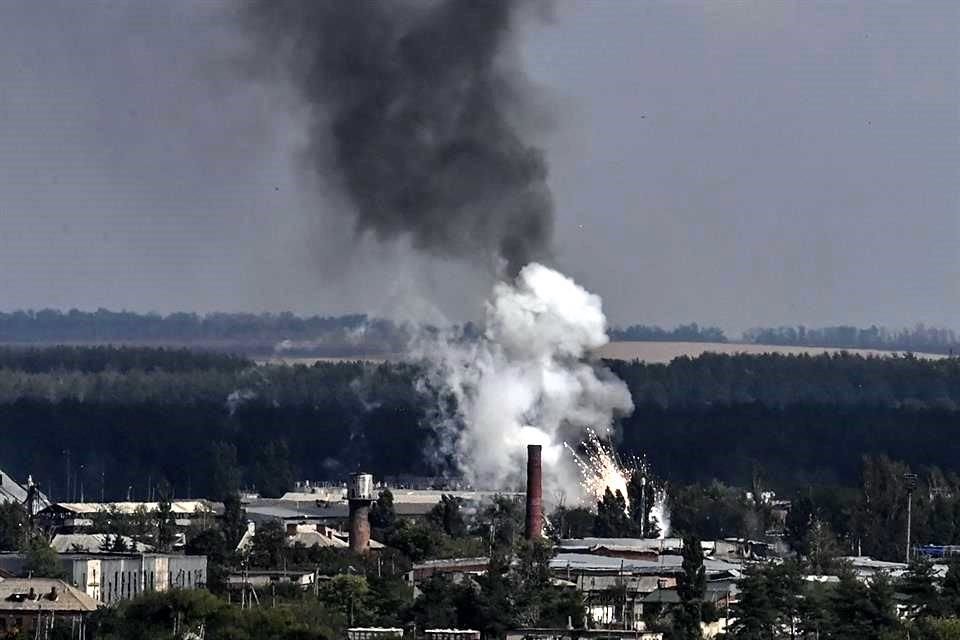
(534, 528)
(359, 526)
(360, 497)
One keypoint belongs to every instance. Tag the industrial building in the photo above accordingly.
(110, 578)
(96, 543)
(645, 571)
(73, 517)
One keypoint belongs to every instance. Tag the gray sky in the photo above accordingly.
(730, 163)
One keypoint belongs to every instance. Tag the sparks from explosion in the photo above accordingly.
(601, 468)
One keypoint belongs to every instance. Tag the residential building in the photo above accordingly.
(33, 606)
(308, 534)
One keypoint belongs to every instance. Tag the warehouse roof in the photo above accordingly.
(93, 543)
(128, 508)
(665, 564)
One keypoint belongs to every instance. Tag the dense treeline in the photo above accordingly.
(98, 359)
(684, 333)
(775, 380)
(918, 339)
(244, 332)
(806, 420)
(102, 324)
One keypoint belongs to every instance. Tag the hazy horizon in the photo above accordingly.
(732, 164)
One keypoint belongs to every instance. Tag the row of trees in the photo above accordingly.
(123, 359)
(776, 602)
(209, 428)
(683, 333)
(918, 339)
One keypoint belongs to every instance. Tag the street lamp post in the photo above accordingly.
(910, 480)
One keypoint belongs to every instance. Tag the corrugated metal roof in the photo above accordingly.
(664, 563)
(92, 543)
(13, 491)
(626, 544)
(176, 506)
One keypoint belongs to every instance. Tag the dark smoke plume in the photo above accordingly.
(409, 103)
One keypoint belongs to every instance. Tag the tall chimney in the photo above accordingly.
(534, 528)
(360, 497)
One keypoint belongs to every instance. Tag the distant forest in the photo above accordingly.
(241, 332)
(360, 335)
(683, 333)
(209, 425)
(919, 339)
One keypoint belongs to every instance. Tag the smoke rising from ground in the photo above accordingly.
(410, 107)
(413, 111)
(528, 380)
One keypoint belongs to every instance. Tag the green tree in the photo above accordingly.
(531, 578)
(860, 612)
(383, 516)
(166, 522)
(41, 559)
(234, 521)
(642, 494)
(755, 617)
(919, 585)
(576, 522)
(269, 545)
(212, 544)
(500, 523)
(116, 543)
(821, 547)
(814, 611)
(14, 526)
(272, 472)
(413, 539)
(950, 589)
(349, 595)
(447, 516)
(225, 474)
(436, 606)
(612, 518)
(141, 525)
(799, 519)
(691, 587)
(881, 517)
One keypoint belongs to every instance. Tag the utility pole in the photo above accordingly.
(910, 480)
(69, 496)
(643, 506)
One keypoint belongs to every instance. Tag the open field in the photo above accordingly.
(666, 351)
(656, 352)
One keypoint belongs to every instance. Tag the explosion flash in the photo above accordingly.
(601, 468)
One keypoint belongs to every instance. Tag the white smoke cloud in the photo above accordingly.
(529, 380)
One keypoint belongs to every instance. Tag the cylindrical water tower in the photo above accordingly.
(360, 497)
